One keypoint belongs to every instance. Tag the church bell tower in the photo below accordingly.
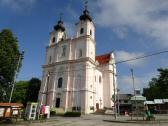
(58, 34)
(85, 25)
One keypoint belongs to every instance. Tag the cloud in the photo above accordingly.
(121, 32)
(123, 55)
(146, 17)
(17, 4)
(125, 82)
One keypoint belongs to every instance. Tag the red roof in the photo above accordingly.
(104, 59)
(11, 104)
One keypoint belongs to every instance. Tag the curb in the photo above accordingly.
(140, 122)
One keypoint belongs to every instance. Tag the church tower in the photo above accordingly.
(86, 25)
(58, 34)
(85, 29)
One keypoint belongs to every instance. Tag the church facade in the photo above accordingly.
(74, 78)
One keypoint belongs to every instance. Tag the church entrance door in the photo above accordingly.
(97, 106)
(57, 102)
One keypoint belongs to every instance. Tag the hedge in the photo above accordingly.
(72, 114)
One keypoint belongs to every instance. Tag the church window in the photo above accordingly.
(50, 59)
(53, 39)
(80, 52)
(81, 30)
(64, 50)
(100, 79)
(60, 82)
(90, 32)
(95, 78)
(90, 97)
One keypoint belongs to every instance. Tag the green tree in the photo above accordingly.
(26, 91)
(158, 86)
(33, 90)
(20, 92)
(9, 56)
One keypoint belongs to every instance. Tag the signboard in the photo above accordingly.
(47, 109)
(2, 112)
(15, 112)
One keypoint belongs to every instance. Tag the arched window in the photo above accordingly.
(50, 58)
(80, 52)
(100, 79)
(90, 32)
(64, 47)
(81, 30)
(60, 80)
(53, 39)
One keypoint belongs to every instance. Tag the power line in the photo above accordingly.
(142, 57)
(119, 62)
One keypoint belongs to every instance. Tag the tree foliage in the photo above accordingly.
(9, 53)
(26, 91)
(20, 92)
(158, 86)
(33, 90)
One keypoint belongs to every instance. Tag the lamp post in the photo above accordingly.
(16, 73)
(133, 82)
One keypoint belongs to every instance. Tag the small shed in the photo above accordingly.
(9, 110)
(138, 104)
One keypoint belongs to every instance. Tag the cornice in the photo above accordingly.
(69, 61)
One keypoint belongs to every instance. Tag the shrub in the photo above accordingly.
(72, 114)
(52, 112)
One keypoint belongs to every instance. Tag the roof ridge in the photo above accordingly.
(104, 59)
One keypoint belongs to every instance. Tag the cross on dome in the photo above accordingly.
(86, 15)
(60, 24)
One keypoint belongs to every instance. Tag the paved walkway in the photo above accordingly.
(92, 120)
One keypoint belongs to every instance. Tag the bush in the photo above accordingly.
(72, 114)
(52, 112)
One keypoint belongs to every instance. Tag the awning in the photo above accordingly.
(165, 100)
(149, 102)
(158, 101)
(11, 105)
(138, 98)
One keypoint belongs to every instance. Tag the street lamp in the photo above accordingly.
(16, 73)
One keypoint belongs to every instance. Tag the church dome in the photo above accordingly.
(85, 15)
(59, 26)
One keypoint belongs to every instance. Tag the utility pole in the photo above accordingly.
(48, 76)
(114, 86)
(16, 73)
(118, 105)
(42, 94)
(133, 82)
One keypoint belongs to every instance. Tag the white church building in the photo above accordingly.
(74, 78)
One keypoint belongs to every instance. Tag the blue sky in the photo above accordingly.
(130, 28)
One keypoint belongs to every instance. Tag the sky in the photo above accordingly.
(130, 28)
